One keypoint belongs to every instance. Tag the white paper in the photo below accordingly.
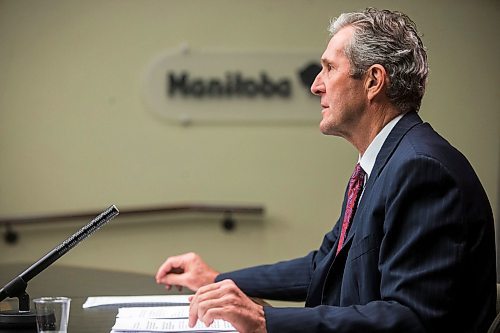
(155, 312)
(120, 300)
(168, 325)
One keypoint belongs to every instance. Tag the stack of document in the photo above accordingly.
(163, 319)
(152, 300)
(157, 313)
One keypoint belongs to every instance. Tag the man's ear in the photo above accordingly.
(376, 81)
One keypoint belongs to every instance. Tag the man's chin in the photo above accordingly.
(325, 127)
(328, 129)
(325, 131)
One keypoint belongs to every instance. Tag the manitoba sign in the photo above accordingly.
(200, 86)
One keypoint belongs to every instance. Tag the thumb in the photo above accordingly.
(178, 279)
(171, 265)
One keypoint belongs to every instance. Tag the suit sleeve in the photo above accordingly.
(286, 280)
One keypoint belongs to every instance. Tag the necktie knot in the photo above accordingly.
(358, 174)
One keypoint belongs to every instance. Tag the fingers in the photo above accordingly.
(187, 270)
(174, 279)
(201, 295)
(163, 270)
(194, 304)
(208, 312)
(193, 313)
(170, 265)
(224, 300)
(211, 301)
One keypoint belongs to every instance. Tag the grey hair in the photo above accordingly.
(390, 39)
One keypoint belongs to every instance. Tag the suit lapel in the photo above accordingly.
(398, 132)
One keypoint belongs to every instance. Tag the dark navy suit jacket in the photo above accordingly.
(419, 256)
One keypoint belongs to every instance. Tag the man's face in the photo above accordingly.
(343, 98)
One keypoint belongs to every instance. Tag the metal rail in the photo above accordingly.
(228, 222)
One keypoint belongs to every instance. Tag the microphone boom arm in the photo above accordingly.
(17, 287)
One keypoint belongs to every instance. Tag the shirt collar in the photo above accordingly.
(367, 161)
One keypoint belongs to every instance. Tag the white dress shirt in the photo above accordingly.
(367, 161)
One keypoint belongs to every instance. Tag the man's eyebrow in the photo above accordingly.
(325, 61)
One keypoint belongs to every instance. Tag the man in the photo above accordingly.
(413, 250)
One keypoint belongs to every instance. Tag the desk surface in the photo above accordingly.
(78, 284)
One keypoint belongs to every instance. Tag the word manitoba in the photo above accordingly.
(231, 85)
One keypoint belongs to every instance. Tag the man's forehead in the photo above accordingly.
(331, 51)
(336, 45)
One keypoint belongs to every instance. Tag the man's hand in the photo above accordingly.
(186, 270)
(224, 300)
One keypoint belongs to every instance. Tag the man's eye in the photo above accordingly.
(330, 67)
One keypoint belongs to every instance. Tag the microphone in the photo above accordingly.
(17, 287)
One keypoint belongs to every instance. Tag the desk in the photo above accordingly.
(78, 284)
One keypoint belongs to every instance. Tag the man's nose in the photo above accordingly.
(317, 87)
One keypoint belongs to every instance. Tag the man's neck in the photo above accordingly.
(370, 125)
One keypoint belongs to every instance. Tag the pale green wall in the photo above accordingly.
(74, 133)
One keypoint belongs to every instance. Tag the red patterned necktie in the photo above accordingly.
(355, 189)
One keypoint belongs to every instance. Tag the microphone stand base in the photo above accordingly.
(17, 319)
